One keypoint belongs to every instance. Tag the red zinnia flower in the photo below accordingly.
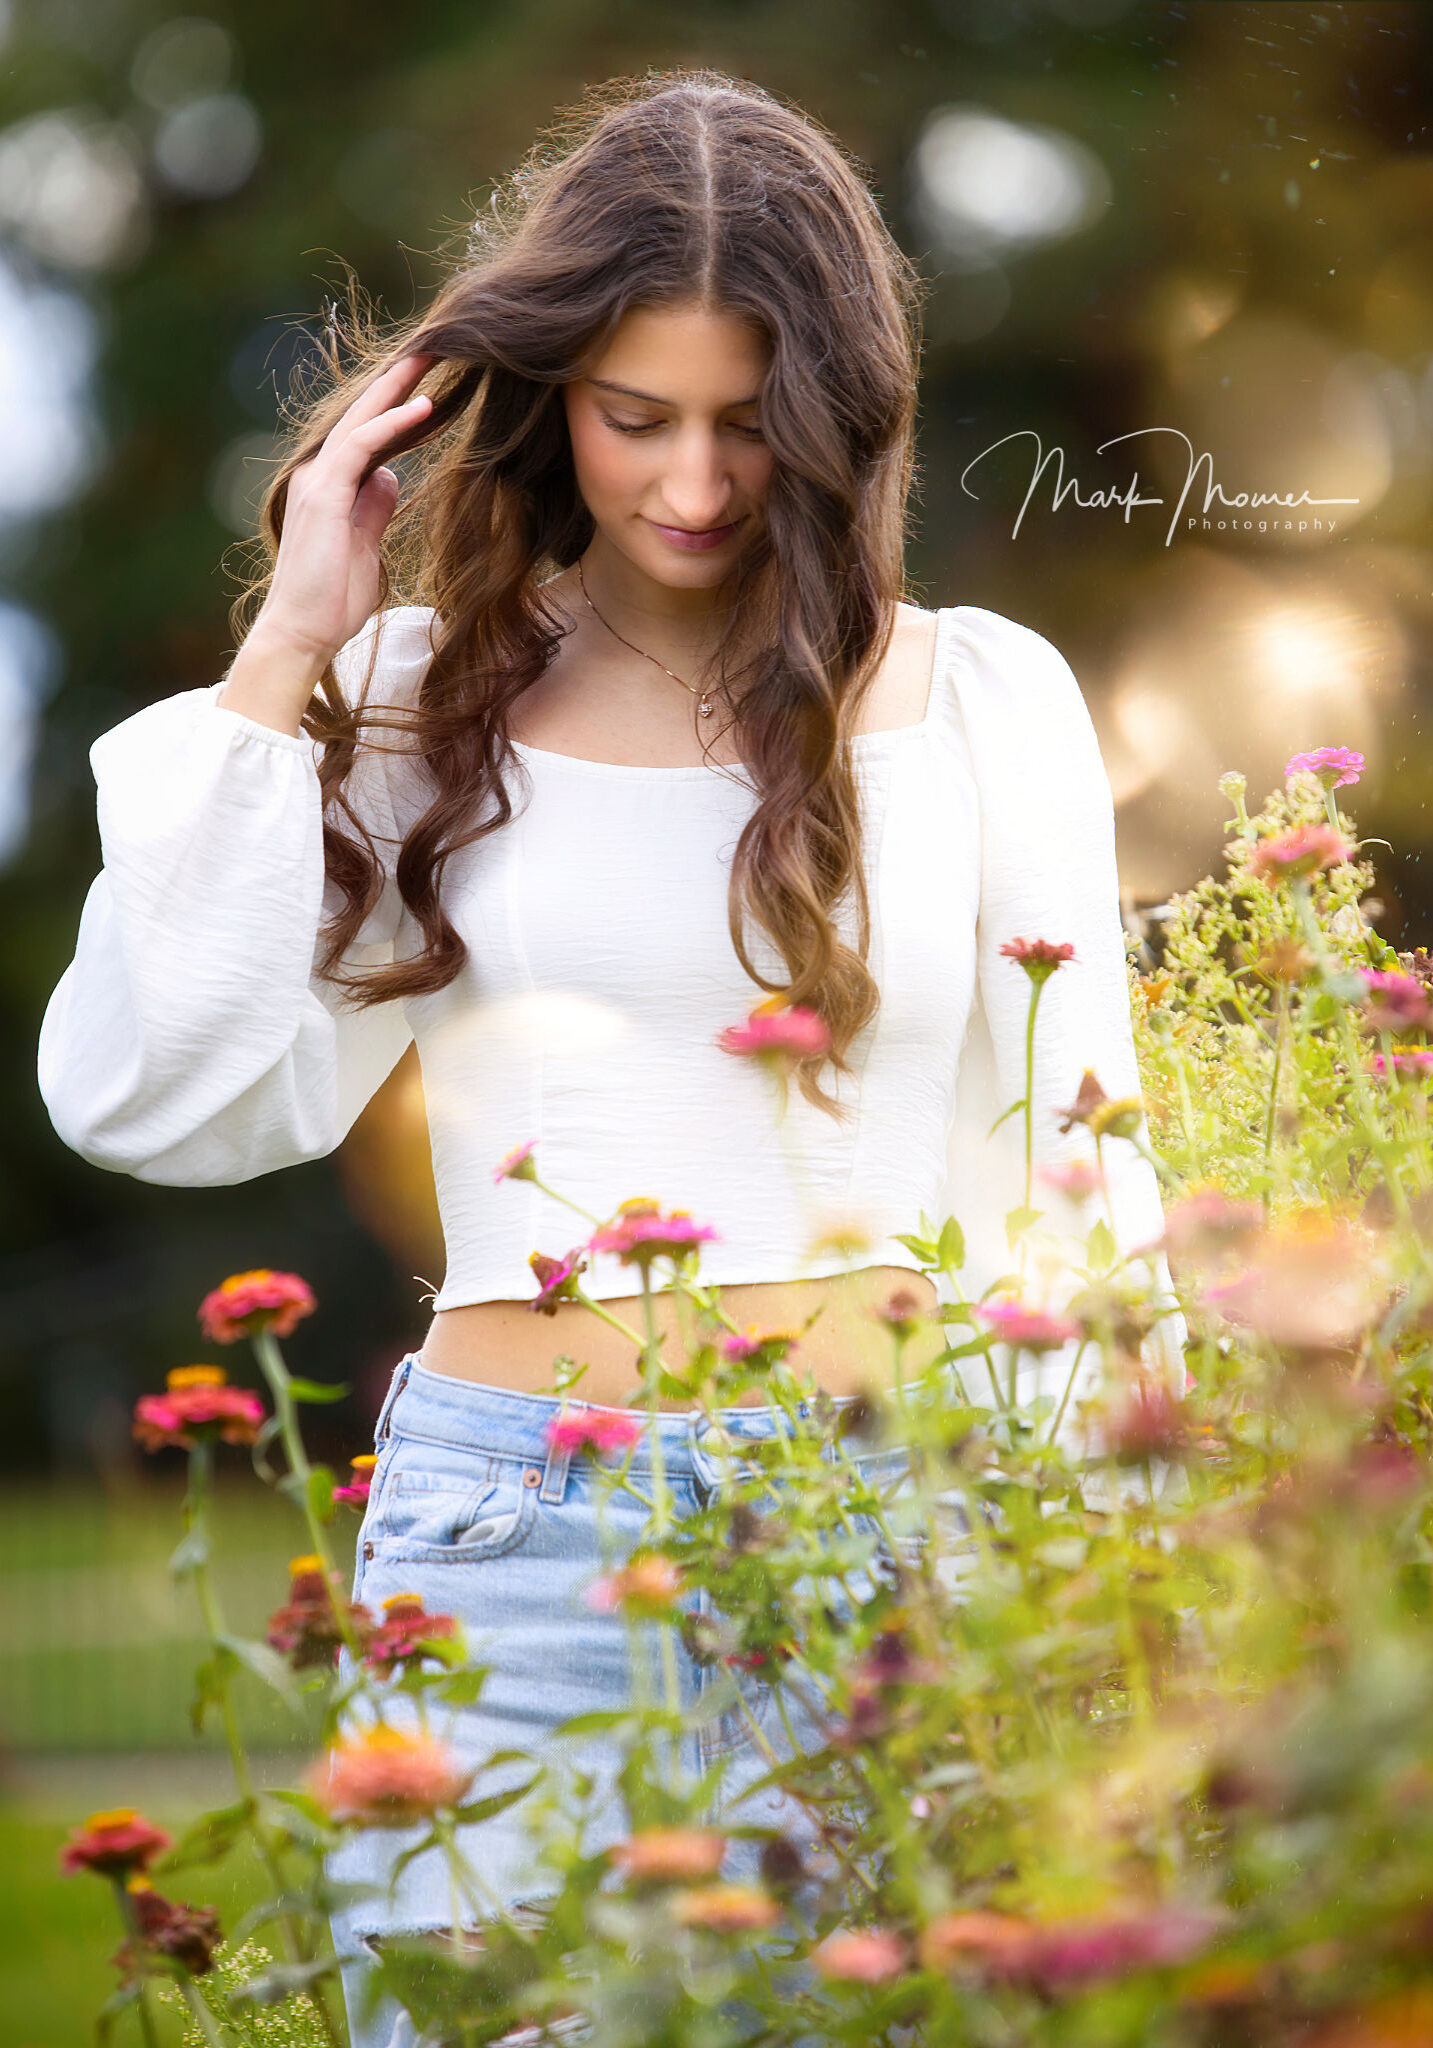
(113, 1843)
(198, 1403)
(307, 1629)
(556, 1279)
(1038, 957)
(407, 1634)
(778, 1034)
(188, 1935)
(260, 1300)
(640, 1233)
(360, 1483)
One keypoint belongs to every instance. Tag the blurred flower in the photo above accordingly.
(1397, 1002)
(1420, 962)
(727, 1908)
(261, 1300)
(1206, 1226)
(901, 1313)
(601, 1430)
(1076, 1179)
(840, 1237)
(1413, 1063)
(384, 1779)
(1334, 766)
(1301, 850)
(861, 1955)
(360, 1482)
(757, 1347)
(187, 1935)
(1038, 957)
(1102, 1115)
(778, 1035)
(641, 1233)
(1140, 1419)
(978, 1938)
(407, 1634)
(114, 1843)
(1402, 2019)
(517, 1164)
(556, 1279)
(669, 1855)
(1313, 1284)
(647, 1585)
(1059, 1955)
(307, 1629)
(1285, 959)
(198, 1403)
(1030, 1329)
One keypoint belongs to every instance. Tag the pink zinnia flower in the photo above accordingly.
(1077, 1179)
(669, 1855)
(1397, 1002)
(640, 1233)
(602, 1430)
(1314, 1283)
(1207, 1224)
(1416, 1060)
(383, 1779)
(1030, 1329)
(556, 1279)
(778, 1034)
(517, 1165)
(1038, 957)
(198, 1403)
(307, 1629)
(260, 1300)
(1080, 1951)
(360, 1482)
(1142, 1419)
(647, 1585)
(727, 1908)
(1334, 766)
(765, 1347)
(1301, 850)
(407, 1634)
(861, 1955)
(113, 1843)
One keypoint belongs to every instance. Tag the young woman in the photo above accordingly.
(672, 742)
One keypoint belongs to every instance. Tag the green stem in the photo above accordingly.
(661, 1492)
(614, 1322)
(1037, 986)
(300, 1472)
(200, 2013)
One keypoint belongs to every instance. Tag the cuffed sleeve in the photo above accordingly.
(1048, 871)
(190, 1042)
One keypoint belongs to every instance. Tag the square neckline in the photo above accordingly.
(689, 769)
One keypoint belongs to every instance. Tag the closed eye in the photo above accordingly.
(651, 426)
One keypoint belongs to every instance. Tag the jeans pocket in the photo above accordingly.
(454, 1517)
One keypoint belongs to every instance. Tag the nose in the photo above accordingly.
(697, 484)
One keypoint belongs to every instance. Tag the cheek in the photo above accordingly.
(608, 467)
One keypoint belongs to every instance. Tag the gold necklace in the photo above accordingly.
(703, 697)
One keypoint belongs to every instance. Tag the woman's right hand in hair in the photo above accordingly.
(326, 581)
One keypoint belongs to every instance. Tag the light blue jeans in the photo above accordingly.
(471, 1509)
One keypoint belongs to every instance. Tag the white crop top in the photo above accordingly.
(189, 1043)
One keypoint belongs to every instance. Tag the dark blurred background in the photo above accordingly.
(1152, 233)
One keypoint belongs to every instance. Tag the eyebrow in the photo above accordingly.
(604, 384)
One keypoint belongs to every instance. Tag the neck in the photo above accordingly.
(680, 627)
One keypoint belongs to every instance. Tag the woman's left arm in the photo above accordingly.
(1048, 871)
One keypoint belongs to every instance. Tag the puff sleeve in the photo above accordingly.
(1048, 871)
(189, 1041)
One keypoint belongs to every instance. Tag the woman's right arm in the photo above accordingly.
(189, 1041)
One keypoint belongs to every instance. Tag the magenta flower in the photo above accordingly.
(1029, 1329)
(1418, 1060)
(407, 1634)
(259, 1300)
(766, 1347)
(640, 1233)
(517, 1165)
(779, 1035)
(596, 1429)
(1334, 766)
(360, 1482)
(114, 1843)
(197, 1403)
(1398, 1002)
(1038, 957)
(1302, 850)
(556, 1279)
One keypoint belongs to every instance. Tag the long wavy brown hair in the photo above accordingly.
(676, 188)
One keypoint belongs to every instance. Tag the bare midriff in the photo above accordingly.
(849, 1348)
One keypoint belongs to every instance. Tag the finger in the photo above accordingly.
(344, 461)
(382, 394)
(375, 504)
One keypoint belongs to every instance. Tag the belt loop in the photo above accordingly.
(554, 1474)
(383, 1429)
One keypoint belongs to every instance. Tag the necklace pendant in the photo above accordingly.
(704, 708)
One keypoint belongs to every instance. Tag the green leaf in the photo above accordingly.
(496, 1802)
(267, 1665)
(1018, 1221)
(463, 1688)
(320, 1492)
(319, 1390)
(1014, 1110)
(919, 1247)
(190, 1554)
(1101, 1246)
(117, 2003)
(950, 1251)
(210, 1679)
(210, 1838)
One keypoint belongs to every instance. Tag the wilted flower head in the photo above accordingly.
(408, 1633)
(1031, 1329)
(307, 1629)
(187, 1935)
(1038, 957)
(556, 1279)
(727, 1908)
(260, 1300)
(645, 1585)
(1313, 1283)
(1102, 1115)
(384, 1779)
(640, 1233)
(113, 1843)
(517, 1164)
(197, 1403)
(360, 1482)
(1300, 850)
(1334, 766)
(1396, 1002)
(861, 1955)
(600, 1430)
(669, 1855)
(778, 1034)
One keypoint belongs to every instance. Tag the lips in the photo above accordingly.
(695, 541)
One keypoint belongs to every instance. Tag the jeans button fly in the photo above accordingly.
(532, 1476)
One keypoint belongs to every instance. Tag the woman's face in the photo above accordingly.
(670, 458)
